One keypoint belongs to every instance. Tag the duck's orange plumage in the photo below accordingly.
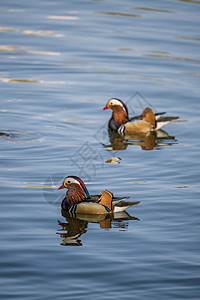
(147, 121)
(78, 199)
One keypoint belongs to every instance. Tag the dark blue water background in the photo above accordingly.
(60, 63)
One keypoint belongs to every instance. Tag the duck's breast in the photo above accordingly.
(113, 125)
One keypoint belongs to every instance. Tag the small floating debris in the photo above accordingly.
(182, 187)
(113, 160)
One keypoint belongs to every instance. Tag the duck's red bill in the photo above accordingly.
(106, 107)
(61, 187)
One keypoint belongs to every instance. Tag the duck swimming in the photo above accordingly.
(78, 199)
(147, 121)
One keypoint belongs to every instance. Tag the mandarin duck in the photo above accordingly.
(147, 121)
(79, 201)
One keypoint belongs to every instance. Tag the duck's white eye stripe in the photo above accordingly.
(117, 102)
(72, 180)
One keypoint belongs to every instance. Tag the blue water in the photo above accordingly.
(60, 63)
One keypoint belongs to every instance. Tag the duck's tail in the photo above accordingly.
(121, 205)
(162, 121)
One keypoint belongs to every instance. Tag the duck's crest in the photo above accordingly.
(82, 184)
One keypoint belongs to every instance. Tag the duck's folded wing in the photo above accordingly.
(95, 198)
(158, 115)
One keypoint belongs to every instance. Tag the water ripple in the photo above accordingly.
(118, 14)
(19, 49)
(31, 32)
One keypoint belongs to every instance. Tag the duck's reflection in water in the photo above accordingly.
(147, 141)
(72, 230)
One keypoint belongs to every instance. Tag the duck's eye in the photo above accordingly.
(68, 181)
(111, 103)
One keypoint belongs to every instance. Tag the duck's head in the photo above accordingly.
(74, 182)
(116, 105)
(149, 116)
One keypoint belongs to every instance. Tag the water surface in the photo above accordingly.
(60, 63)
